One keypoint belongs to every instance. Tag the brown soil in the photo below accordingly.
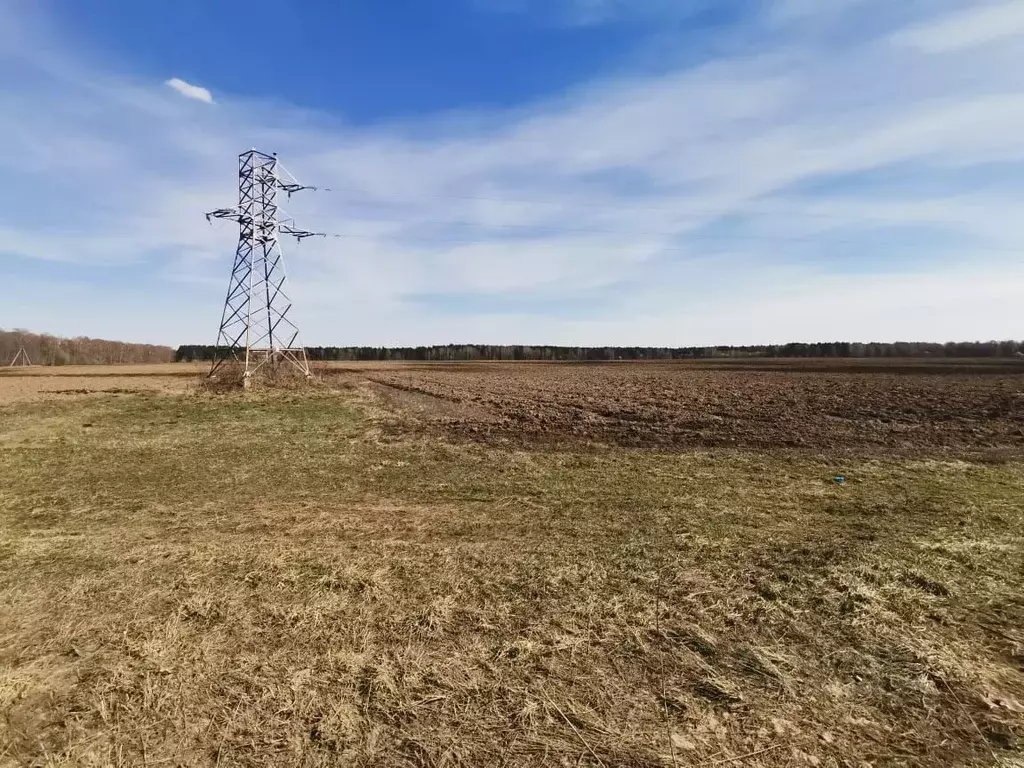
(33, 388)
(43, 383)
(906, 409)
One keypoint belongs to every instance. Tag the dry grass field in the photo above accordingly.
(42, 383)
(515, 565)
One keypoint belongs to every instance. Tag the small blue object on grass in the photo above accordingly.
(839, 479)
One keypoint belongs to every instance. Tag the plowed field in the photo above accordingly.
(872, 409)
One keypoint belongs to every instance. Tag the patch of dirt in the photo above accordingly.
(46, 383)
(111, 391)
(426, 404)
(946, 412)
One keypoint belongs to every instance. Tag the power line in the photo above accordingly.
(541, 229)
(735, 210)
(685, 214)
(724, 237)
(490, 225)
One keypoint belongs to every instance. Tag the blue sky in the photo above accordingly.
(663, 172)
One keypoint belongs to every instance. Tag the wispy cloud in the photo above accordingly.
(967, 28)
(780, 194)
(190, 91)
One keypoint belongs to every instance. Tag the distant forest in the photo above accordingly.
(468, 352)
(43, 349)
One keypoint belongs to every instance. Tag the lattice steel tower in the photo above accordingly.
(21, 358)
(256, 334)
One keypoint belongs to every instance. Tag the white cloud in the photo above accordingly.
(967, 28)
(190, 91)
(788, 193)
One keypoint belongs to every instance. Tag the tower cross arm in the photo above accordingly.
(299, 234)
(290, 185)
(291, 188)
(234, 214)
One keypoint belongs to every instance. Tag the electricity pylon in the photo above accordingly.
(256, 332)
(21, 358)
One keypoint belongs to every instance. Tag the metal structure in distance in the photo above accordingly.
(21, 359)
(256, 332)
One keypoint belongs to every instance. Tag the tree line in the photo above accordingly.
(44, 349)
(470, 352)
